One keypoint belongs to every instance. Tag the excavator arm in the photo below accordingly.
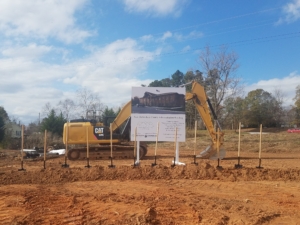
(202, 104)
(123, 115)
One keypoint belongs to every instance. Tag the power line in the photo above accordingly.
(222, 20)
(214, 22)
(225, 31)
(179, 52)
(235, 43)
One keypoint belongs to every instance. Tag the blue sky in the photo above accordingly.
(51, 48)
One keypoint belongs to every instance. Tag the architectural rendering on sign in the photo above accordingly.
(158, 100)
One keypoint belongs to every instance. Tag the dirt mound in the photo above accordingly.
(204, 171)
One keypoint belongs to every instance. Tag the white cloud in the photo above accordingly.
(41, 19)
(156, 7)
(291, 11)
(287, 85)
(190, 36)
(166, 35)
(27, 84)
(30, 51)
(175, 37)
(194, 35)
(112, 70)
(147, 38)
(186, 48)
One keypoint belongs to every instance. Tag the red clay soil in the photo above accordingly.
(190, 194)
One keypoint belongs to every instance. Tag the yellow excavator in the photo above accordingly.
(99, 137)
(98, 134)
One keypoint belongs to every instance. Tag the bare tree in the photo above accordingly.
(67, 107)
(88, 101)
(297, 106)
(46, 109)
(279, 109)
(220, 80)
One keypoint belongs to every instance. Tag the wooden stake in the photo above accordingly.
(87, 149)
(87, 143)
(259, 154)
(195, 137)
(176, 153)
(195, 144)
(22, 147)
(218, 148)
(135, 133)
(45, 148)
(239, 144)
(260, 137)
(157, 133)
(22, 144)
(237, 166)
(66, 150)
(134, 152)
(175, 135)
(111, 148)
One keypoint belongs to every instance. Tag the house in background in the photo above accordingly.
(13, 129)
(169, 100)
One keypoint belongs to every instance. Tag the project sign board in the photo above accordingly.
(158, 109)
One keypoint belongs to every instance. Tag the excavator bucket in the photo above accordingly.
(212, 153)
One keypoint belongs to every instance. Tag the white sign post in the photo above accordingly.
(176, 162)
(137, 162)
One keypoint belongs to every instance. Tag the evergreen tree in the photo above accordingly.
(53, 123)
(3, 119)
(2, 129)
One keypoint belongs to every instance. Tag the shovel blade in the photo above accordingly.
(211, 153)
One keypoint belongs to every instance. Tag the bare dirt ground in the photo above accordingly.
(191, 194)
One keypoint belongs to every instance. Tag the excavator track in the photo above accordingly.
(104, 152)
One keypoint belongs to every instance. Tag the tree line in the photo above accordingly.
(257, 107)
(53, 118)
(218, 75)
(87, 105)
(225, 91)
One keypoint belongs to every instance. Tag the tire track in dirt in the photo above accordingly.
(248, 202)
(9, 207)
(12, 203)
(139, 201)
(50, 207)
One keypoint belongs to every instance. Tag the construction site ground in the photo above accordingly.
(161, 194)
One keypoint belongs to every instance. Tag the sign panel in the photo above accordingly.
(153, 105)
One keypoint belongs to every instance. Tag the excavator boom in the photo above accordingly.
(204, 108)
(123, 115)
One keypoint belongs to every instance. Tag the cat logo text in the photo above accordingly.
(99, 131)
